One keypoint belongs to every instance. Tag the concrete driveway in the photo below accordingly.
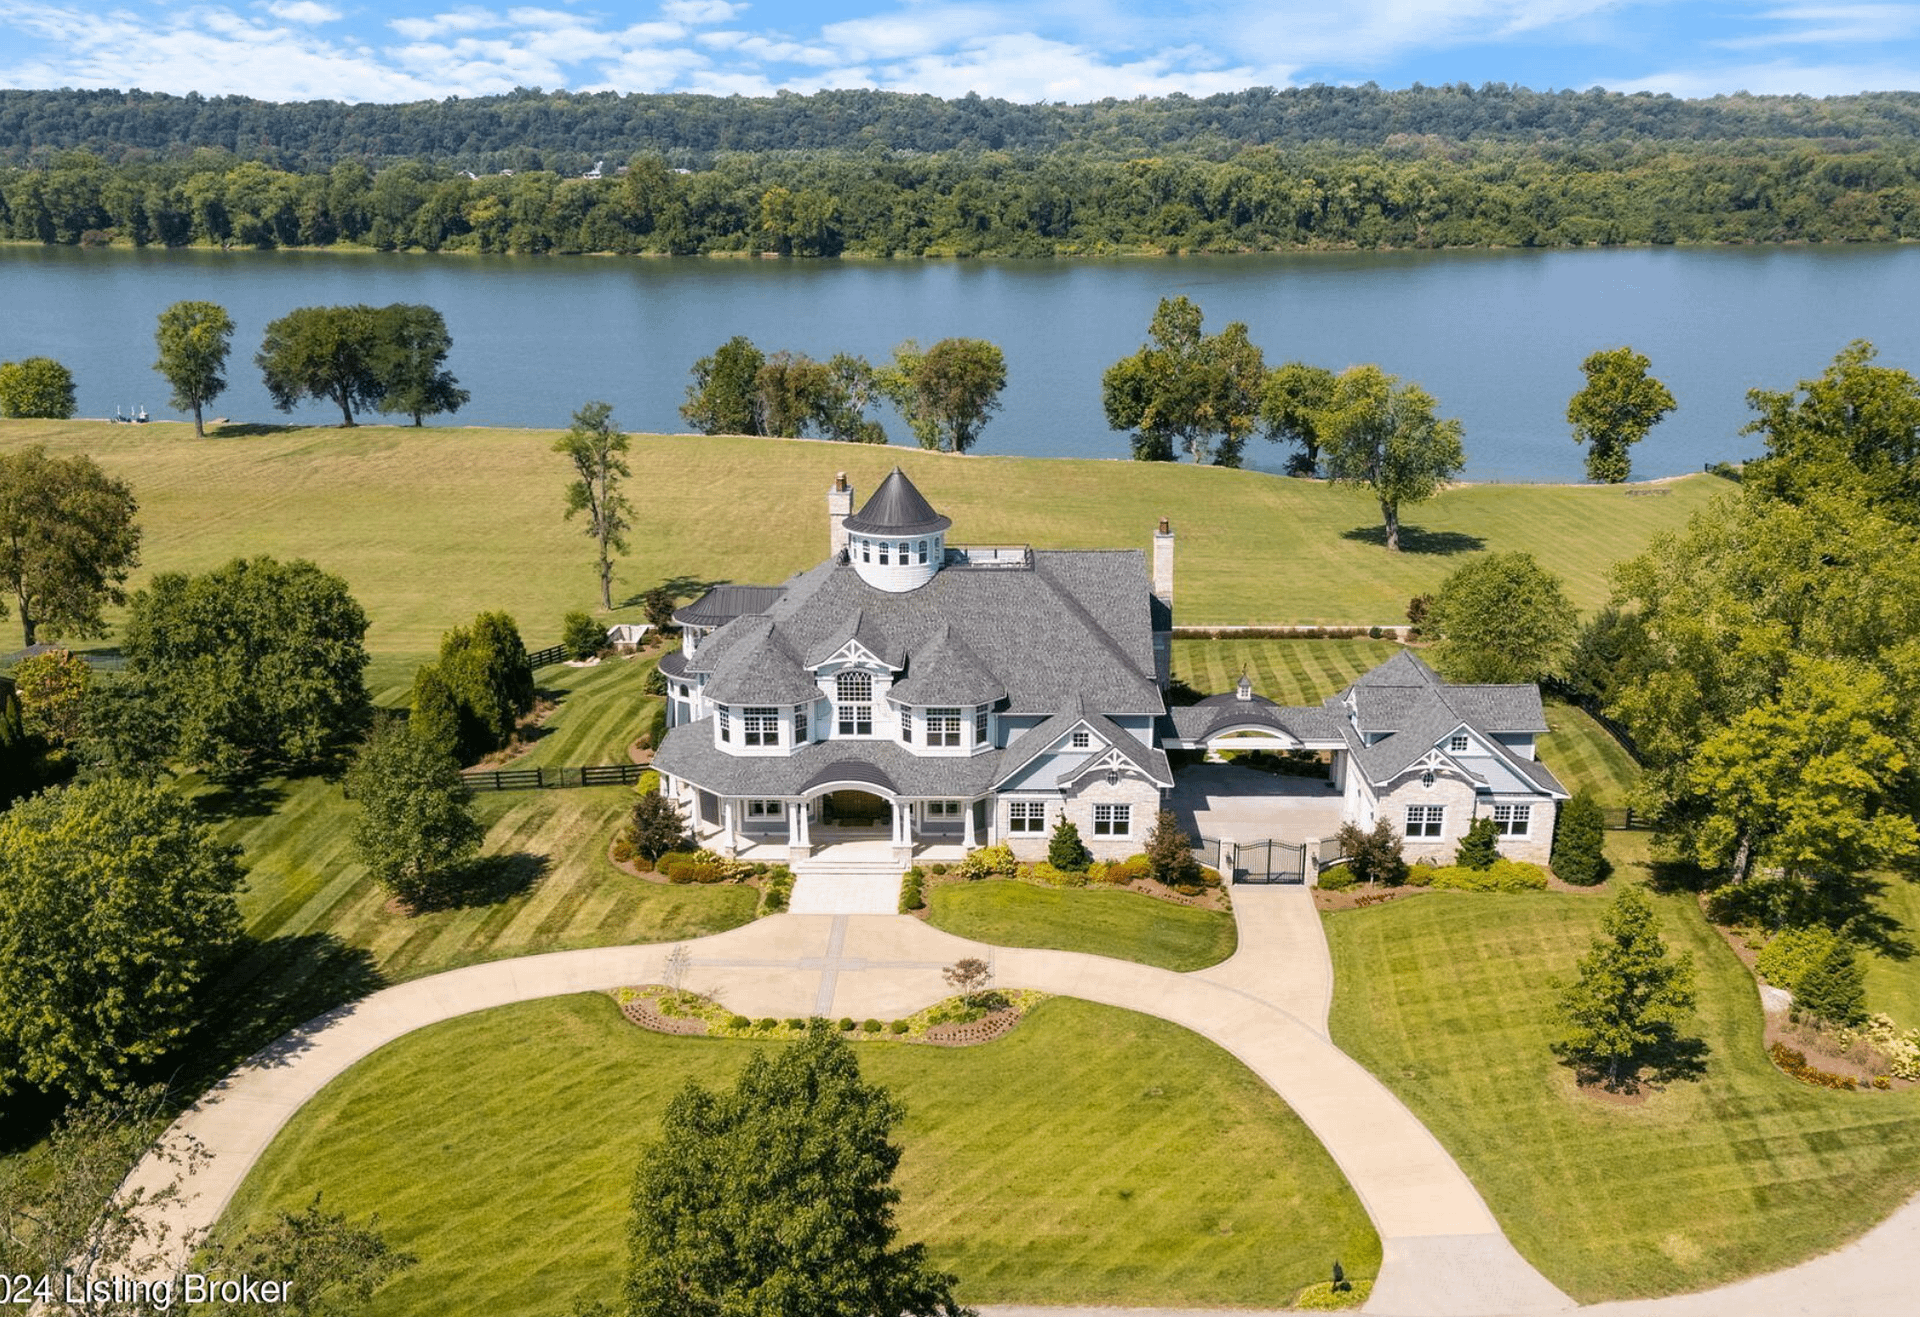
(1242, 804)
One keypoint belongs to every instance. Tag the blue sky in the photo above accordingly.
(1024, 50)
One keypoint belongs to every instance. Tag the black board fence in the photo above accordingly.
(547, 779)
(546, 658)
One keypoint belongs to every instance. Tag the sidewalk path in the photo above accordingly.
(1443, 1253)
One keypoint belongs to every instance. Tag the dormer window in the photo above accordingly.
(761, 727)
(1080, 740)
(943, 727)
(980, 726)
(853, 701)
(1457, 742)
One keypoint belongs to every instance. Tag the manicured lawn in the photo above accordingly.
(1446, 998)
(1893, 981)
(1091, 1156)
(1582, 753)
(431, 526)
(1125, 925)
(1293, 672)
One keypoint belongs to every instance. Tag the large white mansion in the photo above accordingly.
(950, 696)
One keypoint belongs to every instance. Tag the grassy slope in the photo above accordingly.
(430, 526)
(1091, 1156)
(1582, 753)
(1446, 998)
(1893, 984)
(1126, 925)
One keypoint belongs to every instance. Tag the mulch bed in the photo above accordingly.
(983, 1030)
(1359, 898)
(643, 1013)
(521, 742)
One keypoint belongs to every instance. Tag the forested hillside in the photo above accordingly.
(885, 174)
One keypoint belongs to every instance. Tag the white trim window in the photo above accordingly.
(923, 553)
(760, 727)
(802, 724)
(726, 724)
(943, 727)
(1458, 742)
(1512, 820)
(1426, 820)
(1080, 739)
(943, 809)
(980, 730)
(1027, 816)
(883, 554)
(1113, 820)
(766, 809)
(866, 550)
(853, 701)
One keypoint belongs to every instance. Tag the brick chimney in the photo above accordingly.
(839, 508)
(1163, 563)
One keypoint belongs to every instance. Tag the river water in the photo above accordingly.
(1497, 337)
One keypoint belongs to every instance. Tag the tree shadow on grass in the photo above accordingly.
(1847, 903)
(680, 587)
(243, 798)
(1670, 1059)
(251, 429)
(1418, 539)
(487, 881)
(275, 996)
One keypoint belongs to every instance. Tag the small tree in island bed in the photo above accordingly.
(582, 636)
(1622, 1013)
(1833, 991)
(415, 828)
(1382, 435)
(194, 338)
(1065, 850)
(971, 977)
(775, 1199)
(655, 826)
(597, 449)
(1620, 403)
(67, 542)
(1373, 854)
(1580, 842)
(1480, 847)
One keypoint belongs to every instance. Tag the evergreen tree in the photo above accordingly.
(1834, 989)
(1480, 847)
(1170, 852)
(1580, 842)
(775, 1199)
(656, 826)
(1065, 851)
(433, 711)
(415, 828)
(1624, 1009)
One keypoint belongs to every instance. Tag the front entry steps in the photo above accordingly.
(831, 885)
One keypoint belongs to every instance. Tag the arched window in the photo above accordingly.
(923, 553)
(866, 550)
(853, 703)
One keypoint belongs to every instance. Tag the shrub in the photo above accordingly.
(796, 1023)
(1121, 872)
(1899, 1047)
(1066, 851)
(767, 1022)
(622, 850)
(898, 1026)
(1374, 633)
(988, 862)
(1421, 874)
(1374, 856)
(655, 683)
(846, 1024)
(581, 635)
(739, 1022)
(1580, 842)
(912, 892)
(937, 868)
(1794, 1062)
(1503, 875)
(1046, 872)
(870, 1026)
(1481, 845)
(1338, 879)
(1785, 960)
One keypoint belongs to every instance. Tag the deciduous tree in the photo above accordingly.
(415, 827)
(67, 542)
(597, 448)
(1619, 404)
(1293, 406)
(324, 352)
(409, 357)
(1383, 435)
(1855, 430)
(36, 387)
(947, 393)
(775, 1199)
(257, 664)
(1624, 1010)
(330, 1267)
(724, 395)
(194, 338)
(656, 825)
(1502, 618)
(116, 904)
(54, 689)
(582, 636)
(1184, 389)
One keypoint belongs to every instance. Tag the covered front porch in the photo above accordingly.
(850, 821)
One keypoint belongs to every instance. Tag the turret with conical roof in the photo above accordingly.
(896, 541)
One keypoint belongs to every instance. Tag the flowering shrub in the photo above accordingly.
(1785, 960)
(988, 862)
(1900, 1047)
(1794, 1062)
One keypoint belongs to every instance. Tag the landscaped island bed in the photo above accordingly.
(429, 526)
(1126, 925)
(1090, 1156)
(1447, 999)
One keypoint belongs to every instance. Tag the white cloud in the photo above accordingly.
(455, 20)
(1024, 67)
(1777, 78)
(304, 11)
(700, 11)
(1824, 25)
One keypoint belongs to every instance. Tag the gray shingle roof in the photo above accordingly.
(856, 626)
(945, 671)
(689, 752)
(723, 603)
(1150, 760)
(760, 669)
(1407, 698)
(673, 663)
(897, 508)
(1314, 725)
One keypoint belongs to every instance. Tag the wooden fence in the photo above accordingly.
(546, 658)
(544, 779)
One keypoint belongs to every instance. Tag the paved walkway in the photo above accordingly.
(1443, 1253)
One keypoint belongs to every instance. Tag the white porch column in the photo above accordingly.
(797, 848)
(903, 832)
(966, 825)
(729, 839)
